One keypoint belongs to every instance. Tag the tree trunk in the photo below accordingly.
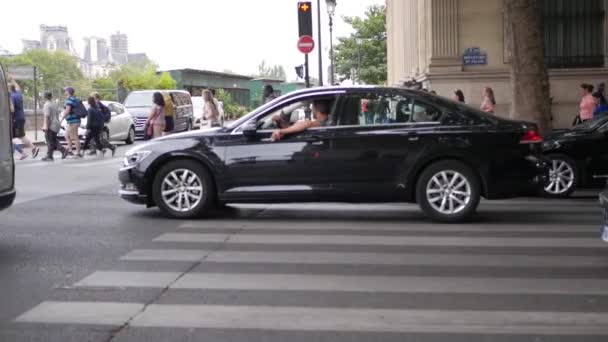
(529, 77)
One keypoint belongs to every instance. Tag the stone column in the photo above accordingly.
(443, 48)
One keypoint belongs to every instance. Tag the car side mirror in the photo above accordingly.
(250, 129)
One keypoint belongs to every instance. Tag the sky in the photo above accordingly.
(233, 35)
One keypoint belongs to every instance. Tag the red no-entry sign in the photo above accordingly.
(306, 44)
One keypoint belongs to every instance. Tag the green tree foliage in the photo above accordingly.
(275, 72)
(56, 70)
(135, 76)
(371, 31)
(232, 109)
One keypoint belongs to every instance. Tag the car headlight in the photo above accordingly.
(134, 158)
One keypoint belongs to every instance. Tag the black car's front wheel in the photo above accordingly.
(448, 191)
(184, 189)
(562, 178)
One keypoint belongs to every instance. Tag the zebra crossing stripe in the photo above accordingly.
(379, 228)
(349, 258)
(343, 283)
(383, 240)
(319, 319)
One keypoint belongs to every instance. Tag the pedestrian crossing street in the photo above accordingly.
(519, 274)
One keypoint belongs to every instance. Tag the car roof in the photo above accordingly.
(352, 89)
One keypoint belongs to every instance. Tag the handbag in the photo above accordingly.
(148, 132)
(149, 129)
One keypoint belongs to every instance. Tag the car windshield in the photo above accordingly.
(592, 124)
(139, 100)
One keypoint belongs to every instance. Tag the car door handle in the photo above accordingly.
(318, 143)
(413, 136)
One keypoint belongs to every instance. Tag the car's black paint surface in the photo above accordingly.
(366, 163)
(587, 145)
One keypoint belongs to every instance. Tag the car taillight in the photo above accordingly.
(531, 137)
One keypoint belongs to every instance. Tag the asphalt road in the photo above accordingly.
(79, 264)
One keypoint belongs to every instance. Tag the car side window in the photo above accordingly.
(422, 112)
(290, 114)
(119, 109)
(373, 109)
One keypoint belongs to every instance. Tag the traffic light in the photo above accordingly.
(305, 18)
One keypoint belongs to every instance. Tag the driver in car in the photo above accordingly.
(320, 110)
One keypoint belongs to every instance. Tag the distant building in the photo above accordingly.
(29, 45)
(137, 58)
(96, 50)
(53, 38)
(195, 81)
(119, 47)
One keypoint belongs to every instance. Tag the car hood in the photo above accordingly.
(139, 112)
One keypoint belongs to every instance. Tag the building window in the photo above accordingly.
(574, 33)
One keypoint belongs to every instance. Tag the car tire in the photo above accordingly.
(131, 136)
(563, 178)
(173, 188)
(442, 200)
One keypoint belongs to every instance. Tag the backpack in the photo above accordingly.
(79, 109)
(105, 113)
(97, 117)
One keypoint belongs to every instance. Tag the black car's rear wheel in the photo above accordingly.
(184, 189)
(563, 177)
(448, 191)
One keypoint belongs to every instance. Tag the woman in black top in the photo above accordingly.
(95, 125)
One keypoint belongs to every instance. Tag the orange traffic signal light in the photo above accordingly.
(305, 18)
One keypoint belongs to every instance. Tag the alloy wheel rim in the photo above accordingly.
(182, 190)
(561, 177)
(449, 192)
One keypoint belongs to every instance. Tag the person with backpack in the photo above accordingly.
(73, 114)
(95, 126)
(107, 118)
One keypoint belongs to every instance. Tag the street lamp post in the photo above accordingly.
(331, 10)
(320, 44)
(359, 41)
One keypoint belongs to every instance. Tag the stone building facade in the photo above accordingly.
(460, 44)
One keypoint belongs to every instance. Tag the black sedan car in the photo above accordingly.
(380, 145)
(577, 157)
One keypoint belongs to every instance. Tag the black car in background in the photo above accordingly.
(382, 144)
(577, 157)
(7, 164)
